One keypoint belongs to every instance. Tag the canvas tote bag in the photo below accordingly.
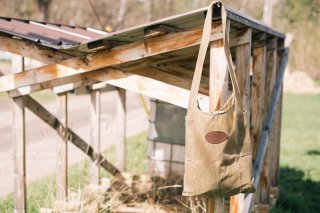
(218, 160)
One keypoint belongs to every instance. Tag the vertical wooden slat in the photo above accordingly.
(257, 95)
(95, 134)
(271, 68)
(218, 94)
(62, 149)
(19, 144)
(277, 127)
(243, 55)
(121, 115)
(243, 61)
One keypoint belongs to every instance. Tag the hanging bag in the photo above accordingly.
(218, 159)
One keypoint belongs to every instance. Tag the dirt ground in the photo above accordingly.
(41, 139)
(299, 82)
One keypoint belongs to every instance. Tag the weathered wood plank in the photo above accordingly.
(31, 50)
(257, 95)
(95, 134)
(125, 53)
(62, 149)
(121, 116)
(19, 144)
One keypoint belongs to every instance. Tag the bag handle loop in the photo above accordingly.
(202, 54)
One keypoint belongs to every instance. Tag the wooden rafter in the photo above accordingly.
(151, 84)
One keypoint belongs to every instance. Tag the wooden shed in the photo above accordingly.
(156, 59)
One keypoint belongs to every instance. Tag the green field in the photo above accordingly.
(300, 162)
(300, 154)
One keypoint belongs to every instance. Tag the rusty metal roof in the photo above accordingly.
(48, 34)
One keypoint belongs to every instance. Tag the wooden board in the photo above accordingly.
(62, 149)
(95, 134)
(19, 144)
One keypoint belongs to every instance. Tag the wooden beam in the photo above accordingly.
(125, 53)
(31, 50)
(95, 134)
(147, 86)
(19, 144)
(121, 116)
(62, 149)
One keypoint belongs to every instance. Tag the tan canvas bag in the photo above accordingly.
(218, 158)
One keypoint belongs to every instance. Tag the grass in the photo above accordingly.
(41, 193)
(300, 154)
(299, 174)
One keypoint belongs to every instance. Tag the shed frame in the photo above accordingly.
(157, 60)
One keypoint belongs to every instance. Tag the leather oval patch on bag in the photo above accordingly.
(216, 137)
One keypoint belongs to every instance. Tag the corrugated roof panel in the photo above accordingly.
(53, 35)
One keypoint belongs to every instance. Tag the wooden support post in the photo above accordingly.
(19, 144)
(121, 116)
(62, 149)
(95, 134)
(218, 94)
(243, 60)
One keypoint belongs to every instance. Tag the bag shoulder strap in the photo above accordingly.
(205, 39)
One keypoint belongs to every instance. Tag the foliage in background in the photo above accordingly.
(299, 17)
